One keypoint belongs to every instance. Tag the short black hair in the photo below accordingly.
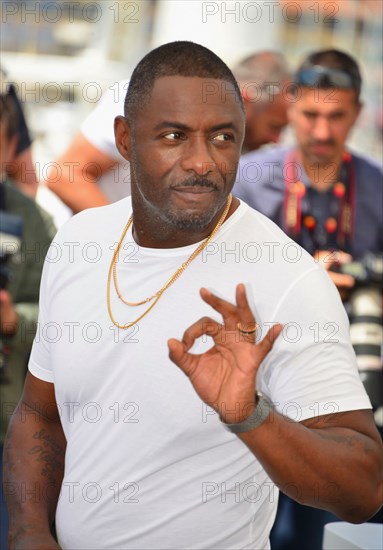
(180, 58)
(334, 59)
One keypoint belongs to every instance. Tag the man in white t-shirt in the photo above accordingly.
(126, 451)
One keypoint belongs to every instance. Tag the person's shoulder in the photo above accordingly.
(268, 234)
(102, 214)
(262, 166)
(14, 195)
(97, 222)
(29, 210)
(255, 222)
(259, 180)
(367, 164)
(19, 202)
(275, 153)
(261, 224)
(369, 182)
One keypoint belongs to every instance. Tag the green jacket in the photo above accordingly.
(25, 267)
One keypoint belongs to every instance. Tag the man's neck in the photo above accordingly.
(321, 176)
(151, 232)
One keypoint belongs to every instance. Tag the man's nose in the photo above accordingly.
(321, 130)
(197, 158)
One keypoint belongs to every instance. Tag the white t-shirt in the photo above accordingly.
(98, 130)
(148, 464)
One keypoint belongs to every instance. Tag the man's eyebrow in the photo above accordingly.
(224, 126)
(180, 126)
(172, 124)
(339, 110)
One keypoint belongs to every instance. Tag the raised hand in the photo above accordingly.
(224, 376)
(328, 259)
(8, 314)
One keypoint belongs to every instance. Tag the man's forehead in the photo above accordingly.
(200, 89)
(327, 99)
(194, 102)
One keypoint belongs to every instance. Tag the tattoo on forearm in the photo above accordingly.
(8, 462)
(49, 452)
(355, 440)
(22, 530)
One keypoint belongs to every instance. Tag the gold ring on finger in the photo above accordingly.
(247, 332)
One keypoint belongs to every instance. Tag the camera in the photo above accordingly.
(366, 321)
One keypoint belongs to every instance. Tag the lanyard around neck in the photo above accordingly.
(337, 230)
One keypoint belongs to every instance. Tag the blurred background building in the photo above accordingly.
(63, 54)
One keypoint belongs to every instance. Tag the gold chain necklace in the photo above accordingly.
(155, 297)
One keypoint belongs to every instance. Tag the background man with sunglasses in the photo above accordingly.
(326, 198)
(323, 196)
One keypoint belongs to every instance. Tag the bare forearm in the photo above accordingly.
(78, 193)
(333, 461)
(80, 168)
(338, 469)
(33, 470)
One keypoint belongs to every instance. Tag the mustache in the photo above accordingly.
(196, 182)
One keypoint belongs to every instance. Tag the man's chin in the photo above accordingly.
(192, 222)
(321, 155)
(190, 219)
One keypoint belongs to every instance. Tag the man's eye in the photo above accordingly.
(173, 136)
(337, 116)
(223, 137)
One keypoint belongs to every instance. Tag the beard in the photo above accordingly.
(189, 221)
(193, 218)
(321, 159)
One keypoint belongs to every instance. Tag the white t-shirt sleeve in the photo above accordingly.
(311, 370)
(40, 359)
(98, 125)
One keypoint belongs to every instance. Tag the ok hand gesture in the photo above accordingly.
(224, 376)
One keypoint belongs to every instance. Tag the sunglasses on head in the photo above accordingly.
(326, 77)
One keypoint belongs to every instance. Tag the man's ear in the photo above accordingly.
(122, 136)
